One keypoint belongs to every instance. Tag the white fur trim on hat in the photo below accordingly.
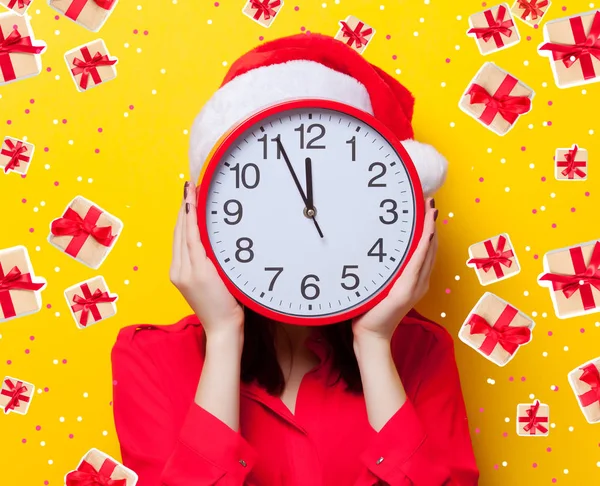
(268, 85)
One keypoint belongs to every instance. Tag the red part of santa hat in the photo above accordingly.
(311, 65)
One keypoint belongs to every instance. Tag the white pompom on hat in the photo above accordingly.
(311, 66)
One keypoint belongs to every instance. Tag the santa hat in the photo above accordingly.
(311, 66)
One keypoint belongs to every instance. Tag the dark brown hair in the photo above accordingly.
(259, 357)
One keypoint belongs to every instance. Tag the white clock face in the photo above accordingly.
(303, 258)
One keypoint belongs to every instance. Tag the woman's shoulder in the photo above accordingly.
(420, 336)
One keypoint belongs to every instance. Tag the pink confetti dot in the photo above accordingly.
(548, 449)
(296, 8)
(46, 389)
(554, 225)
(445, 221)
(56, 17)
(523, 149)
(32, 101)
(495, 466)
(534, 465)
(536, 26)
(135, 268)
(535, 257)
(64, 120)
(388, 37)
(555, 388)
(146, 32)
(549, 123)
(483, 4)
(23, 200)
(477, 199)
(582, 330)
(447, 291)
(46, 482)
(447, 60)
(100, 130)
(573, 210)
(510, 378)
(528, 37)
(534, 211)
(8, 361)
(115, 382)
(23, 176)
(549, 333)
(261, 38)
(543, 179)
(27, 111)
(481, 410)
(564, 8)
(477, 430)
(8, 122)
(549, 103)
(48, 69)
(481, 179)
(64, 361)
(131, 107)
(70, 436)
(504, 434)
(523, 378)
(302, 28)
(24, 441)
(135, 31)
(31, 338)
(553, 480)
(97, 151)
(56, 183)
(27, 351)
(394, 57)
(31, 230)
(587, 194)
(38, 427)
(46, 149)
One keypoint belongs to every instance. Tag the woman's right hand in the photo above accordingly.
(196, 277)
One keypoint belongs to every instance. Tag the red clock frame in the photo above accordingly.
(228, 139)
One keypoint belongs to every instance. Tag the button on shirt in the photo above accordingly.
(171, 441)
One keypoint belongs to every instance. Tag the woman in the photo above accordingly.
(225, 397)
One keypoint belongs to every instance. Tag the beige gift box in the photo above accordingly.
(355, 33)
(495, 82)
(90, 251)
(561, 31)
(537, 426)
(8, 152)
(17, 6)
(110, 467)
(493, 309)
(580, 170)
(263, 12)
(95, 76)
(22, 64)
(19, 302)
(87, 13)
(501, 29)
(94, 312)
(587, 391)
(530, 12)
(9, 388)
(499, 265)
(567, 263)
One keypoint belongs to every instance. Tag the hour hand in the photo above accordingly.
(310, 205)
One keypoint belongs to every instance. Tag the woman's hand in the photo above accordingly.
(381, 321)
(196, 277)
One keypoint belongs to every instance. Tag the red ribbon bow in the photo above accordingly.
(15, 152)
(584, 48)
(77, 6)
(572, 166)
(532, 8)
(357, 35)
(86, 475)
(14, 280)
(15, 392)
(89, 66)
(264, 8)
(88, 303)
(496, 257)
(533, 421)
(509, 337)
(497, 27)
(13, 44)
(584, 278)
(20, 3)
(591, 377)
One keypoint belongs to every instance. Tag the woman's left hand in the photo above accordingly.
(381, 321)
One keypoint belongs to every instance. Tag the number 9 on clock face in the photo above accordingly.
(310, 210)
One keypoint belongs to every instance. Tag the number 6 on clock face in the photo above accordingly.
(310, 210)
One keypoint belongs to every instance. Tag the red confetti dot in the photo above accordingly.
(27, 111)
(23, 200)
(31, 230)
(46, 149)
(135, 31)
(56, 183)
(38, 427)
(27, 351)
(549, 333)
(135, 269)
(477, 199)
(24, 441)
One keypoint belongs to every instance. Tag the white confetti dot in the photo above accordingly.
(457, 47)
(527, 248)
(381, 7)
(70, 142)
(552, 425)
(224, 63)
(61, 419)
(153, 91)
(526, 293)
(126, 282)
(426, 2)
(0, 336)
(543, 208)
(571, 429)
(57, 314)
(125, 114)
(421, 20)
(457, 277)
(50, 461)
(532, 166)
(57, 269)
(139, 7)
(55, 361)
(85, 394)
(459, 17)
(139, 244)
(452, 124)
(57, 32)
(552, 195)
(126, 45)
(544, 124)
(37, 248)
(583, 91)
(544, 84)
(185, 132)
(489, 150)
(181, 176)
(416, 34)
(443, 314)
(504, 463)
(138, 50)
(47, 166)
(324, 5)
(104, 433)
(57, 77)
(507, 189)
(39, 390)
(174, 2)
(531, 396)
(443, 84)
(544, 315)
(597, 324)
(79, 179)
(55, 122)
(591, 132)
(42, 203)
(506, 419)
(545, 354)
(598, 464)
(526, 63)
(553, 387)
(209, 22)
(90, 180)
(79, 419)
(491, 381)
(451, 215)
(163, 71)
(37, 11)
(503, 161)
(398, 71)
(35, 209)
(566, 348)
(42, 443)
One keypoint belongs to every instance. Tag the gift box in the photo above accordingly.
(496, 99)
(262, 11)
(15, 395)
(496, 329)
(19, 52)
(15, 155)
(571, 164)
(533, 419)
(493, 259)
(90, 302)
(573, 44)
(585, 381)
(96, 467)
(90, 14)
(91, 65)
(355, 33)
(20, 289)
(85, 232)
(573, 276)
(17, 6)
(530, 11)
(493, 29)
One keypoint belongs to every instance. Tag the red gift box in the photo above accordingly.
(585, 381)
(263, 12)
(15, 395)
(90, 14)
(494, 259)
(90, 302)
(355, 33)
(493, 29)
(17, 6)
(571, 164)
(91, 65)
(15, 155)
(530, 11)
(99, 469)
(532, 419)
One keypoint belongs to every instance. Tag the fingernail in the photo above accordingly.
(185, 190)
(431, 236)
(435, 215)
(187, 208)
(432, 203)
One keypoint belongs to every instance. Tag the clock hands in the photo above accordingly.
(309, 206)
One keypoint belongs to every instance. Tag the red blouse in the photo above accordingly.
(171, 441)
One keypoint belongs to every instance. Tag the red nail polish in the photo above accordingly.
(435, 215)
(432, 203)
(185, 190)
(187, 208)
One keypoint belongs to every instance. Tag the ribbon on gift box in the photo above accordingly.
(497, 27)
(72, 224)
(585, 46)
(357, 35)
(87, 475)
(533, 8)
(509, 107)
(572, 166)
(497, 257)
(265, 8)
(15, 152)
(14, 280)
(509, 337)
(89, 66)
(20, 3)
(16, 393)
(89, 303)
(12, 44)
(584, 278)
(77, 6)
(591, 377)
(534, 423)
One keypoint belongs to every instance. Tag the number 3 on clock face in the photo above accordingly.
(310, 210)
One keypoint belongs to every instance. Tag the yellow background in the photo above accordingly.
(139, 172)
